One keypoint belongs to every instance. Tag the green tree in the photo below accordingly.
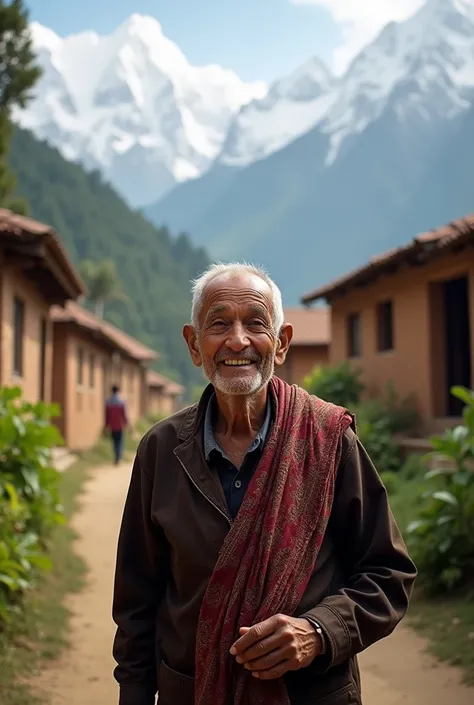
(18, 75)
(103, 283)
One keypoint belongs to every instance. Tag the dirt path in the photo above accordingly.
(397, 671)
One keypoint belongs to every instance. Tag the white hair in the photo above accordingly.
(219, 268)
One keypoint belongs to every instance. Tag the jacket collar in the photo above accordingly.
(193, 421)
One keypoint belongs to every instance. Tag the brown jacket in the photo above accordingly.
(175, 521)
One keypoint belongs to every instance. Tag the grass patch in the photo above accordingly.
(447, 623)
(40, 631)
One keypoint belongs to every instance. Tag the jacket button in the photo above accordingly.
(238, 484)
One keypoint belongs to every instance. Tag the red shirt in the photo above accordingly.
(115, 414)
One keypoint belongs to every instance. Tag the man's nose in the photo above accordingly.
(237, 339)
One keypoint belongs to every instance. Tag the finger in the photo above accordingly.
(276, 671)
(270, 660)
(261, 648)
(243, 630)
(254, 634)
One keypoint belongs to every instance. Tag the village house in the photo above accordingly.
(310, 345)
(35, 273)
(164, 395)
(407, 318)
(90, 355)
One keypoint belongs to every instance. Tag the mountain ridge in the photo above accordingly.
(130, 100)
(342, 191)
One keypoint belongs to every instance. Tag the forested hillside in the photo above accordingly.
(94, 223)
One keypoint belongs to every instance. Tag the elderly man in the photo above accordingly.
(257, 554)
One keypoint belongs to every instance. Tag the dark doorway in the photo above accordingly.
(458, 340)
(43, 343)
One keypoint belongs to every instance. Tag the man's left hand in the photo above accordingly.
(277, 645)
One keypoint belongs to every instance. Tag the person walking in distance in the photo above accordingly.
(116, 421)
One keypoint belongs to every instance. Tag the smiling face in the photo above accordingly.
(237, 344)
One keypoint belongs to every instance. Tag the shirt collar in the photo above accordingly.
(210, 442)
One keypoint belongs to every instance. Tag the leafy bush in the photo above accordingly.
(29, 494)
(413, 468)
(379, 421)
(391, 480)
(442, 536)
(340, 384)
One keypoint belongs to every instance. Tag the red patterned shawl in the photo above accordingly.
(268, 555)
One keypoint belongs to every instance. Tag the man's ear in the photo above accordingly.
(189, 334)
(284, 340)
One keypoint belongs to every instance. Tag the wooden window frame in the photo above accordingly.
(385, 326)
(354, 338)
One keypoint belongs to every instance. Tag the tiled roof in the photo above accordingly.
(421, 249)
(310, 326)
(73, 313)
(154, 379)
(24, 229)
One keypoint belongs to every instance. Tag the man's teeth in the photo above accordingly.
(237, 362)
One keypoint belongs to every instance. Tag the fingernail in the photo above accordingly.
(239, 659)
(233, 651)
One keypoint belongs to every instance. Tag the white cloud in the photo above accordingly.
(361, 20)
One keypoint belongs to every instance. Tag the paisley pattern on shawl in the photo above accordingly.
(270, 552)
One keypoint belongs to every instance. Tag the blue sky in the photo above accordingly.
(259, 39)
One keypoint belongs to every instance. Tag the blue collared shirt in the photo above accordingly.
(235, 481)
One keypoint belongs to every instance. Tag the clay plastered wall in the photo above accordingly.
(301, 359)
(410, 364)
(14, 283)
(83, 404)
(130, 381)
(159, 403)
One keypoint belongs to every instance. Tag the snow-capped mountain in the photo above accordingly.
(423, 66)
(292, 106)
(360, 179)
(131, 105)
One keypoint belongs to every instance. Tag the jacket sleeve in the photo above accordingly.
(379, 572)
(140, 582)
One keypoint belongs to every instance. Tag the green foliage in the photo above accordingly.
(413, 468)
(18, 74)
(103, 283)
(379, 421)
(95, 224)
(391, 480)
(441, 536)
(339, 384)
(29, 497)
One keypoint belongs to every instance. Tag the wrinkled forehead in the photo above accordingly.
(237, 292)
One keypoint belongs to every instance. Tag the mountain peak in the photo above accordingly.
(146, 27)
(130, 104)
(43, 37)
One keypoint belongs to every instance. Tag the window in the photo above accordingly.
(18, 335)
(353, 335)
(91, 371)
(385, 326)
(80, 366)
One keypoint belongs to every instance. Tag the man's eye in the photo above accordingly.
(218, 323)
(256, 322)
